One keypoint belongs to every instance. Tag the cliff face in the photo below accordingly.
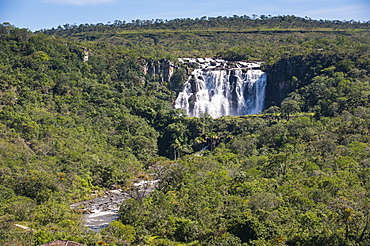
(281, 78)
(292, 73)
(163, 68)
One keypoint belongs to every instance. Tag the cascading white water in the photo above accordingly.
(220, 92)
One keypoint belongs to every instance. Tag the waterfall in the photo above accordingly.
(225, 91)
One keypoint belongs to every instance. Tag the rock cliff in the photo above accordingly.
(163, 69)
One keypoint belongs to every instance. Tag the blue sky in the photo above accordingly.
(39, 14)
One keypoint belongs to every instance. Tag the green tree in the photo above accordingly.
(119, 234)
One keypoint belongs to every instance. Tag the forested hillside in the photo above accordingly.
(84, 108)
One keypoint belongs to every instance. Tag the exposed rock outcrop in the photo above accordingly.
(279, 77)
(289, 74)
(62, 243)
(162, 68)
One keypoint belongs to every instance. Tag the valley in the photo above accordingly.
(253, 131)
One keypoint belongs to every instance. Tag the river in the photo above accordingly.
(100, 211)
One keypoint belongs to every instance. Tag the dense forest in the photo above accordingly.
(87, 108)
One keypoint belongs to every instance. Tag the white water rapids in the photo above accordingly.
(223, 91)
(100, 211)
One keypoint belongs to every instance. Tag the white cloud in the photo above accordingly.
(80, 2)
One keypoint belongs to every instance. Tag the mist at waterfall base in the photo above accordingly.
(227, 91)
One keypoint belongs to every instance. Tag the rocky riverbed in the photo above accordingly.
(100, 211)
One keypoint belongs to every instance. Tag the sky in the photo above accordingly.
(44, 14)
